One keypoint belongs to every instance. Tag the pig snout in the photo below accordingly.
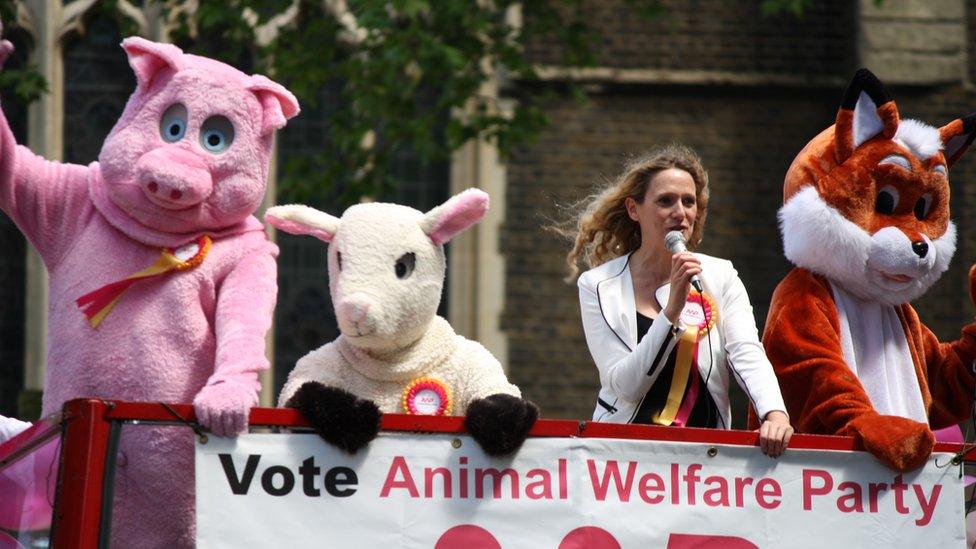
(174, 178)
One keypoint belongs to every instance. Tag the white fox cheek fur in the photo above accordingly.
(879, 267)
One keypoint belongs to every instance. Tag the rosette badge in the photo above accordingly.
(427, 396)
(699, 312)
(97, 304)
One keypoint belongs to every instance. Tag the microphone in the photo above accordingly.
(674, 241)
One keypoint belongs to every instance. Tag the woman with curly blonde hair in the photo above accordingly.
(660, 347)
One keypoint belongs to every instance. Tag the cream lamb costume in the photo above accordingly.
(386, 272)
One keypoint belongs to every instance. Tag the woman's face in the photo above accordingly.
(669, 204)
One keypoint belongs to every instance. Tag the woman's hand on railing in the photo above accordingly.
(775, 433)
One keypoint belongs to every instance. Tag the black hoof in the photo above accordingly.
(341, 418)
(500, 423)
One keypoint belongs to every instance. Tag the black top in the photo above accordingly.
(704, 413)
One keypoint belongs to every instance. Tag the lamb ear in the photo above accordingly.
(147, 58)
(957, 136)
(866, 111)
(277, 102)
(457, 214)
(301, 219)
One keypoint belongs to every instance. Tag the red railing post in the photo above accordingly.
(78, 504)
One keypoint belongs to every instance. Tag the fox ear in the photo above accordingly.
(866, 111)
(957, 136)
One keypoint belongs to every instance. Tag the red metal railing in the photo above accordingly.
(89, 426)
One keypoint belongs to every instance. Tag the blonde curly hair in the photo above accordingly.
(599, 225)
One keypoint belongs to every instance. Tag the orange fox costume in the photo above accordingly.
(866, 222)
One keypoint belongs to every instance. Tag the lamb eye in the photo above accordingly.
(887, 201)
(339, 260)
(404, 266)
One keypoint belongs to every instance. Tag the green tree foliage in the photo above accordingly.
(24, 82)
(408, 76)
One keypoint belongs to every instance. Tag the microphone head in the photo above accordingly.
(674, 241)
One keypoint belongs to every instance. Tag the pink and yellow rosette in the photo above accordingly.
(97, 304)
(708, 306)
(424, 384)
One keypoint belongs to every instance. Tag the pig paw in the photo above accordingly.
(900, 443)
(499, 423)
(223, 407)
(341, 418)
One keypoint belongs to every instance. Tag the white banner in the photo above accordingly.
(441, 491)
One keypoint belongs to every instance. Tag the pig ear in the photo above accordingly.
(277, 103)
(957, 136)
(147, 58)
(300, 219)
(457, 214)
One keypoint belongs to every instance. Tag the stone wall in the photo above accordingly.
(718, 36)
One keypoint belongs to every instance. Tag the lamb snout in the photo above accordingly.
(174, 178)
(353, 315)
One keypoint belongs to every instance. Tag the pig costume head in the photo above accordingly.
(190, 152)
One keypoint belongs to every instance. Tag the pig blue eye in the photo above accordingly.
(172, 127)
(216, 134)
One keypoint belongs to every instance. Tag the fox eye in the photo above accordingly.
(887, 201)
(941, 170)
(404, 266)
(923, 206)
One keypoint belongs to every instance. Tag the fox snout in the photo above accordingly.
(898, 254)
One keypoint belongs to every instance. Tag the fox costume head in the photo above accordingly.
(866, 202)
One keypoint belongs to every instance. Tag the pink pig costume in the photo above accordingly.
(188, 157)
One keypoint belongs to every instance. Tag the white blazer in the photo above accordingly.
(627, 370)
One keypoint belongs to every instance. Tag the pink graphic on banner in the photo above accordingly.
(589, 537)
(467, 536)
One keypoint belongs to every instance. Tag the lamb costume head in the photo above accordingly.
(386, 274)
(385, 279)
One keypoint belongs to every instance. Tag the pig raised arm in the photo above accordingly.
(47, 200)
